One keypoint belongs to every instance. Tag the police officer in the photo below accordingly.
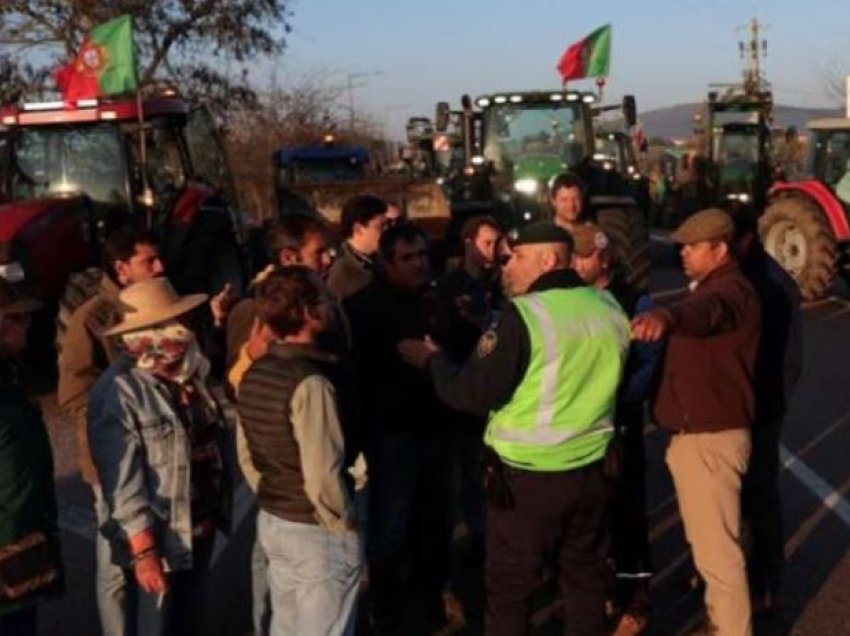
(547, 375)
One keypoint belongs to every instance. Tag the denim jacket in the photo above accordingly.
(142, 454)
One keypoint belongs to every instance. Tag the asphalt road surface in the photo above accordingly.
(815, 483)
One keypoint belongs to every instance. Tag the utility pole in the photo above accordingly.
(753, 50)
(350, 86)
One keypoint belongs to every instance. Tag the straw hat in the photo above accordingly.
(150, 303)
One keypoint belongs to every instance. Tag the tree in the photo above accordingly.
(176, 40)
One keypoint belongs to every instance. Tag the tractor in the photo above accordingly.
(70, 173)
(615, 150)
(321, 178)
(805, 225)
(515, 143)
(736, 131)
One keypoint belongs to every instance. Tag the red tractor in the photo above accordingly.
(71, 173)
(805, 225)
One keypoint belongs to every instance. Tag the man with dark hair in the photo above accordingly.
(408, 448)
(130, 255)
(472, 296)
(566, 195)
(289, 407)
(595, 261)
(298, 239)
(706, 397)
(363, 220)
(295, 239)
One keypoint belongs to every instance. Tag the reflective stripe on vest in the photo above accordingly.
(561, 414)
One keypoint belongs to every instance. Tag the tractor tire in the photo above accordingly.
(80, 287)
(796, 233)
(627, 230)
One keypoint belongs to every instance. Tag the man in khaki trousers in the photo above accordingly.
(706, 399)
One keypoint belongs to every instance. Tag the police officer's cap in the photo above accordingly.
(712, 224)
(539, 232)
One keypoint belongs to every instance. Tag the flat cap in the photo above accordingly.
(539, 232)
(589, 237)
(706, 225)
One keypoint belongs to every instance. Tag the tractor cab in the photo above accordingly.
(738, 141)
(514, 145)
(829, 157)
(320, 164)
(71, 173)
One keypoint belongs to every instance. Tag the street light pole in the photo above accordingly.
(350, 86)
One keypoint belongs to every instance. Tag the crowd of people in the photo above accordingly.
(380, 408)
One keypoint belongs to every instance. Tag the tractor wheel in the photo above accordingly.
(627, 230)
(80, 287)
(795, 232)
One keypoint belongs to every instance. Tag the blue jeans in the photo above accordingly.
(314, 577)
(261, 604)
(109, 578)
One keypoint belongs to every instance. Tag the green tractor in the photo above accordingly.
(615, 150)
(515, 143)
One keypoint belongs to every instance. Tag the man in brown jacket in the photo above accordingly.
(706, 399)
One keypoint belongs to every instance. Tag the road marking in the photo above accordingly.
(829, 497)
(829, 430)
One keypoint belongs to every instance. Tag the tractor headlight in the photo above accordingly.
(12, 272)
(527, 186)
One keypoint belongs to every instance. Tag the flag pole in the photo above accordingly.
(147, 195)
(600, 84)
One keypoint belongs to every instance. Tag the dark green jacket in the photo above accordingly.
(27, 498)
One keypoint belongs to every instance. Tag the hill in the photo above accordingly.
(676, 122)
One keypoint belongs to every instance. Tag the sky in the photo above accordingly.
(663, 51)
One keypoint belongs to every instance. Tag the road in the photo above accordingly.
(815, 483)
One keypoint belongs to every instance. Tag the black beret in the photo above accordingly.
(539, 232)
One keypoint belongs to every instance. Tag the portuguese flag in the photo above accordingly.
(105, 63)
(589, 57)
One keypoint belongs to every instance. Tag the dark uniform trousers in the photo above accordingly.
(563, 514)
(629, 528)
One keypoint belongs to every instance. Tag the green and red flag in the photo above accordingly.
(589, 57)
(104, 65)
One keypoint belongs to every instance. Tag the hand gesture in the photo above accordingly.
(650, 326)
(417, 352)
(221, 303)
(259, 340)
